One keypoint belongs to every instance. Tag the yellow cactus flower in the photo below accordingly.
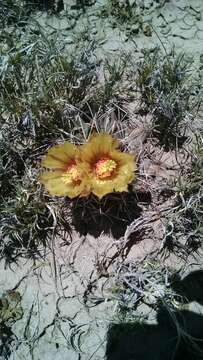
(66, 177)
(107, 168)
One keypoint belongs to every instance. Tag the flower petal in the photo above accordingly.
(99, 145)
(48, 175)
(52, 163)
(123, 159)
(60, 155)
(101, 188)
(119, 181)
(55, 186)
(53, 183)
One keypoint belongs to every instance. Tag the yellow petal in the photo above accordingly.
(58, 188)
(99, 145)
(55, 185)
(123, 176)
(60, 155)
(123, 159)
(52, 163)
(48, 175)
(101, 188)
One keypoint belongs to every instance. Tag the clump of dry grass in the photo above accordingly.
(26, 222)
(40, 91)
(12, 12)
(44, 99)
(170, 92)
(186, 227)
(151, 299)
(122, 12)
(149, 283)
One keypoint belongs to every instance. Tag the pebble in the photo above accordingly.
(147, 30)
(135, 28)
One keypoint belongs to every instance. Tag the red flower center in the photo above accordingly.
(72, 174)
(104, 168)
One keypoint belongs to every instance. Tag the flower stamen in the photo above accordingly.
(72, 175)
(104, 168)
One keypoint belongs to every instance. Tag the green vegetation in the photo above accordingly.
(121, 11)
(167, 88)
(188, 226)
(40, 91)
(122, 14)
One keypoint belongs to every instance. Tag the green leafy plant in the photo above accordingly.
(121, 12)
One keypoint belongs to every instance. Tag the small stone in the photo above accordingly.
(147, 30)
(134, 29)
(94, 30)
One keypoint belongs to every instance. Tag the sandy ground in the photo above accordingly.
(64, 312)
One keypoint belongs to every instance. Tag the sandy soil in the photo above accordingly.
(65, 309)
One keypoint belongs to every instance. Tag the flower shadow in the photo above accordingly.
(110, 215)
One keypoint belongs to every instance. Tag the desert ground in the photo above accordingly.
(119, 277)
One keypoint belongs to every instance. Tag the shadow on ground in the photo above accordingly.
(177, 335)
(112, 214)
